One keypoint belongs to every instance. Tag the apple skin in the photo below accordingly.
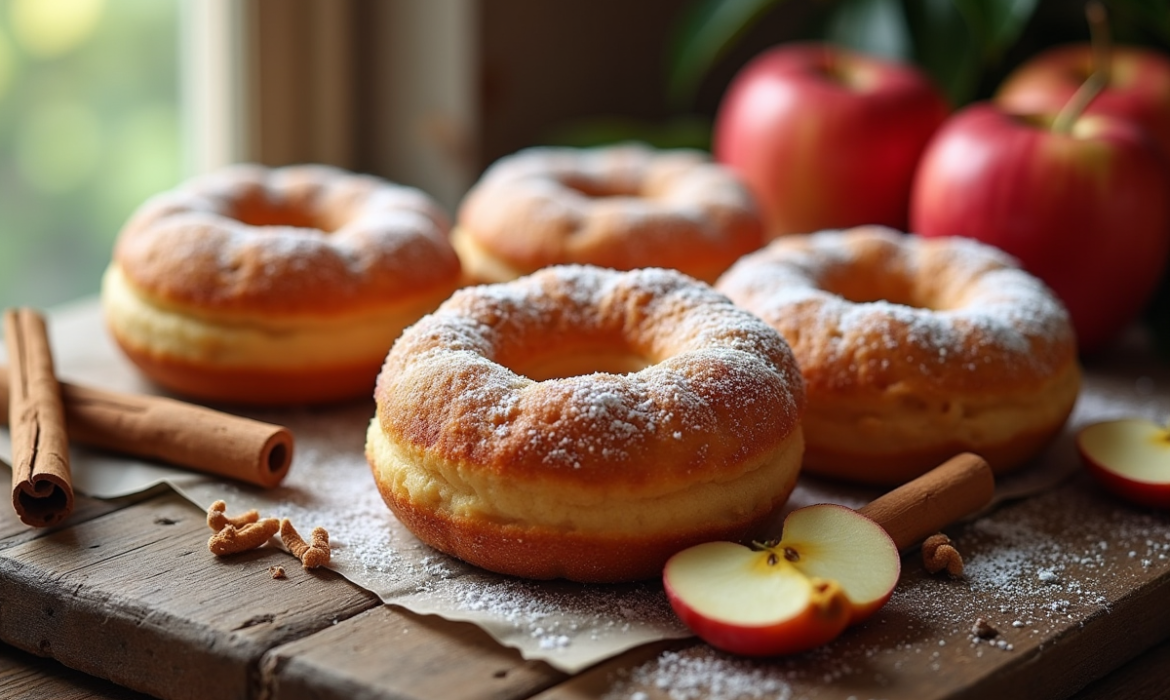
(825, 137)
(1106, 446)
(1086, 212)
(819, 623)
(759, 602)
(1138, 89)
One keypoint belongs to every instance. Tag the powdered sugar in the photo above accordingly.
(946, 304)
(295, 239)
(715, 370)
(1027, 583)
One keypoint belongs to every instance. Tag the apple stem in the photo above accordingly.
(1102, 69)
(1101, 39)
(1077, 104)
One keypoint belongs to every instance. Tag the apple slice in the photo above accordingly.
(1130, 457)
(831, 568)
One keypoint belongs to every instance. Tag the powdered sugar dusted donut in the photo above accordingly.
(621, 207)
(913, 349)
(264, 286)
(586, 423)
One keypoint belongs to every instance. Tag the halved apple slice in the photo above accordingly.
(832, 567)
(1130, 457)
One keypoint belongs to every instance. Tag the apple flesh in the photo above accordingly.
(825, 137)
(1085, 211)
(1130, 457)
(832, 568)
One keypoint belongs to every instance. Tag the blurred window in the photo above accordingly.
(89, 128)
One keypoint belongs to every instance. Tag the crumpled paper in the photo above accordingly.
(570, 626)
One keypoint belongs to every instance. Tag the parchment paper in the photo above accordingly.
(570, 626)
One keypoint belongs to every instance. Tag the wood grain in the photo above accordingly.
(391, 653)
(13, 531)
(1102, 607)
(135, 597)
(29, 677)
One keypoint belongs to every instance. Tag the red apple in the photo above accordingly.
(1130, 457)
(1086, 211)
(827, 138)
(832, 568)
(1138, 87)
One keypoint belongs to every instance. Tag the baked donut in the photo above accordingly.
(913, 349)
(275, 286)
(621, 207)
(492, 444)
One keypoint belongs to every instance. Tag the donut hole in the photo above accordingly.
(858, 285)
(560, 361)
(858, 289)
(594, 188)
(260, 212)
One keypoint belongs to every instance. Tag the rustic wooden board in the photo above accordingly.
(1144, 677)
(1059, 564)
(391, 653)
(127, 591)
(135, 597)
(27, 677)
(1091, 607)
(13, 531)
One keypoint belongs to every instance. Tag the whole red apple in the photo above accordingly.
(1086, 211)
(1138, 87)
(825, 137)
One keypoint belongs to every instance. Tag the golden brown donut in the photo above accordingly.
(275, 286)
(621, 207)
(913, 349)
(586, 423)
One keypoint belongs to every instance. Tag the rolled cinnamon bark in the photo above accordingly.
(42, 486)
(175, 432)
(914, 511)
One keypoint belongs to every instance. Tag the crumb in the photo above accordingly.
(939, 554)
(276, 571)
(982, 629)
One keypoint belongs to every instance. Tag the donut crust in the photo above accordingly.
(913, 349)
(591, 477)
(621, 207)
(275, 286)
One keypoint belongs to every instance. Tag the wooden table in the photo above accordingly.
(1075, 583)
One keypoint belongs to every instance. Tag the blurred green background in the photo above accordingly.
(89, 127)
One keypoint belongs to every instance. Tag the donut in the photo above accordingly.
(277, 286)
(913, 349)
(586, 423)
(621, 207)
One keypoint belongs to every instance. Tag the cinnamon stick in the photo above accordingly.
(42, 486)
(182, 434)
(914, 511)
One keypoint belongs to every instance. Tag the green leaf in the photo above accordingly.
(702, 36)
(996, 24)
(945, 48)
(876, 27)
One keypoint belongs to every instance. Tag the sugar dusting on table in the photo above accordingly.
(1020, 583)
(331, 486)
